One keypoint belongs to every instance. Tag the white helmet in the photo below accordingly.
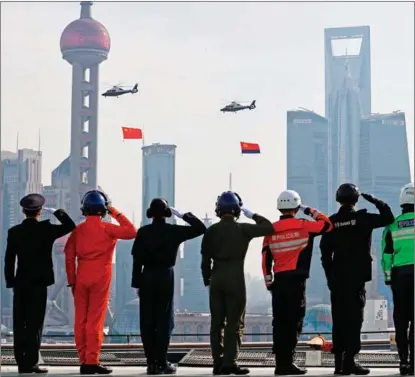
(288, 199)
(407, 194)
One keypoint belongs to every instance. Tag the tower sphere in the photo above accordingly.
(85, 34)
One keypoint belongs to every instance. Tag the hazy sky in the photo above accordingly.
(189, 60)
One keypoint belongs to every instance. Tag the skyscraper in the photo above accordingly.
(193, 294)
(383, 170)
(21, 175)
(351, 45)
(307, 173)
(348, 98)
(159, 174)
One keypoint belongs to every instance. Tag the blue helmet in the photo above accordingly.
(228, 203)
(94, 203)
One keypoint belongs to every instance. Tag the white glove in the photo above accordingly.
(49, 210)
(247, 213)
(303, 207)
(176, 213)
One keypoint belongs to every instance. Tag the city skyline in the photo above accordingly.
(179, 97)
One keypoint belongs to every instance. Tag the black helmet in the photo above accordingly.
(347, 193)
(228, 203)
(159, 208)
(94, 203)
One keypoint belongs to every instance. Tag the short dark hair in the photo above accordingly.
(288, 211)
(31, 212)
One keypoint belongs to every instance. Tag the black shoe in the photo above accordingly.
(355, 369)
(288, 370)
(411, 370)
(166, 369)
(95, 369)
(36, 369)
(152, 369)
(403, 369)
(236, 370)
(338, 363)
(217, 367)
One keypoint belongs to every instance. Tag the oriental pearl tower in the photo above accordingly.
(85, 44)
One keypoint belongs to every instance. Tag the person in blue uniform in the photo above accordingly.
(154, 257)
(31, 243)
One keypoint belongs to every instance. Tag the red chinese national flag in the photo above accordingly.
(249, 148)
(132, 133)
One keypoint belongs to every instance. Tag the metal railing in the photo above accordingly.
(65, 341)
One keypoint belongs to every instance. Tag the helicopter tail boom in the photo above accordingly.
(134, 89)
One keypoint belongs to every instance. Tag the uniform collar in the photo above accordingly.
(227, 218)
(30, 220)
(407, 209)
(346, 209)
(159, 220)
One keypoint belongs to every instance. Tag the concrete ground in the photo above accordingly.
(9, 371)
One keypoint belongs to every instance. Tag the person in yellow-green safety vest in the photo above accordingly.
(398, 267)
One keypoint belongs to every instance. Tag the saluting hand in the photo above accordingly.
(369, 198)
(113, 211)
(176, 213)
(49, 210)
(249, 214)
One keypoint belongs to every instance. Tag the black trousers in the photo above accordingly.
(403, 315)
(29, 308)
(288, 311)
(347, 309)
(156, 312)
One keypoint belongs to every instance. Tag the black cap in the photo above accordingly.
(32, 202)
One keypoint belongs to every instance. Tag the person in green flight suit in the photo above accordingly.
(398, 268)
(226, 244)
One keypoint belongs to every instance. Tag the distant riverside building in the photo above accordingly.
(194, 296)
(159, 175)
(383, 170)
(21, 175)
(307, 173)
(124, 269)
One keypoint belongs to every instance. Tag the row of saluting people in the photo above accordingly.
(286, 257)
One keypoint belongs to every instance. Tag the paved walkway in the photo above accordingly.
(9, 371)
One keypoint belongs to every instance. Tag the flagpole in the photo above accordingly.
(143, 136)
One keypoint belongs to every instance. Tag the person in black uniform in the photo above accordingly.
(31, 243)
(347, 262)
(154, 256)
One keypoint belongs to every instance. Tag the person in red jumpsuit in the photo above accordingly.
(88, 257)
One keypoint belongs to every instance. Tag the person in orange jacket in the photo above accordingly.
(91, 247)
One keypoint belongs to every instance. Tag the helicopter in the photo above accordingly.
(118, 90)
(233, 107)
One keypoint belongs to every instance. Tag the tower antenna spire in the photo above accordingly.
(38, 142)
(230, 181)
(86, 9)
(17, 142)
